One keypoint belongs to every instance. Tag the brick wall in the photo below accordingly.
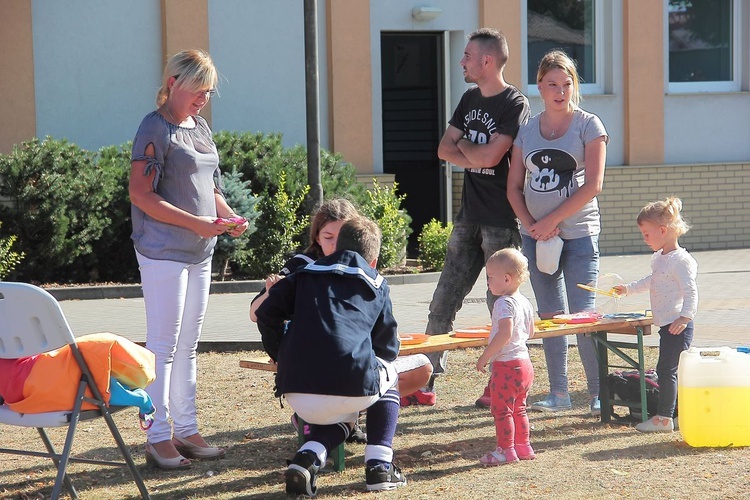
(715, 197)
(384, 180)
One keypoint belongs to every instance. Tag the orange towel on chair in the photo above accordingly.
(49, 381)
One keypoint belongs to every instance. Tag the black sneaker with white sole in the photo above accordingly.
(384, 477)
(357, 435)
(301, 473)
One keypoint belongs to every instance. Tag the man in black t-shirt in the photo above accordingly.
(478, 139)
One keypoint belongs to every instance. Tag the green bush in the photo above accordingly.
(68, 209)
(8, 258)
(113, 258)
(262, 159)
(241, 200)
(282, 227)
(433, 244)
(56, 197)
(384, 207)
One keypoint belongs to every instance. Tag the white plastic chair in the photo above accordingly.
(32, 322)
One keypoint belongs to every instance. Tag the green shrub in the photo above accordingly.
(433, 244)
(56, 197)
(243, 202)
(113, 257)
(68, 209)
(8, 258)
(383, 206)
(282, 227)
(262, 159)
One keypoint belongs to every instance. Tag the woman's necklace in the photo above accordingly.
(166, 108)
(553, 131)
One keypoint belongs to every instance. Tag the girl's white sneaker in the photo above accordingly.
(656, 424)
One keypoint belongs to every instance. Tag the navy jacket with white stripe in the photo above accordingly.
(342, 318)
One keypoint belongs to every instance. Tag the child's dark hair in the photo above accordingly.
(512, 261)
(360, 235)
(665, 213)
(337, 209)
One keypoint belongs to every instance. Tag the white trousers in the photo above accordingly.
(176, 297)
(324, 409)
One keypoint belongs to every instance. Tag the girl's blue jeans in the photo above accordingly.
(579, 263)
(670, 348)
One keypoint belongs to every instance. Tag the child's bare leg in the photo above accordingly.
(412, 380)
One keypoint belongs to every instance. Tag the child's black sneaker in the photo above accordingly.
(300, 475)
(357, 435)
(384, 477)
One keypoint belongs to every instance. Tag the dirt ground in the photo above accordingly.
(437, 448)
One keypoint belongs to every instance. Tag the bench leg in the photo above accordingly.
(605, 398)
(337, 455)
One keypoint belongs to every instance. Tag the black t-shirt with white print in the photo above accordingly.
(484, 199)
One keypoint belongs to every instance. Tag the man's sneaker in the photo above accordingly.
(300, 475)
(485, 400)
(596, 407)
(419, 397)
(384, 477)
(357, 435)
(552, 403)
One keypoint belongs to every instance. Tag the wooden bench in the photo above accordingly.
(434, 343)
(637, 326)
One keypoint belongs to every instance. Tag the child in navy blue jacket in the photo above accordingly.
(335, 358)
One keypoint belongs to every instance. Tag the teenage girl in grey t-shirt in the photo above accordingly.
(556, 171)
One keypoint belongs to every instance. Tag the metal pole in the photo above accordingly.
(315, 195)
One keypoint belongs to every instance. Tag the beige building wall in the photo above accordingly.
(714, 201)
(185, 26)
(502, 15)
(17, 80)
(643, 71)
(350, 82)
(714, 194)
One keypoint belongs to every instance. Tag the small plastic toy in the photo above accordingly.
(230, 222)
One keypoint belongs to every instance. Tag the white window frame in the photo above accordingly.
(599, 49)
(733, 85)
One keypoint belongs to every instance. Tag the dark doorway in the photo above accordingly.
(413, 122)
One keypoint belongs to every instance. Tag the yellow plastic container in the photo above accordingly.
(713, 394)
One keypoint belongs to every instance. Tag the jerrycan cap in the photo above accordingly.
(744, 349)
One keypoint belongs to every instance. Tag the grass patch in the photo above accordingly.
(438, 448)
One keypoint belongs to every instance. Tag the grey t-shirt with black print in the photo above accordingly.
(556, 169)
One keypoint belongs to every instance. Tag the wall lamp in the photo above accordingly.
(425, 13)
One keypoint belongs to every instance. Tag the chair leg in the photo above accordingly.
(53, 455)
(125, 453)
(72, 426)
